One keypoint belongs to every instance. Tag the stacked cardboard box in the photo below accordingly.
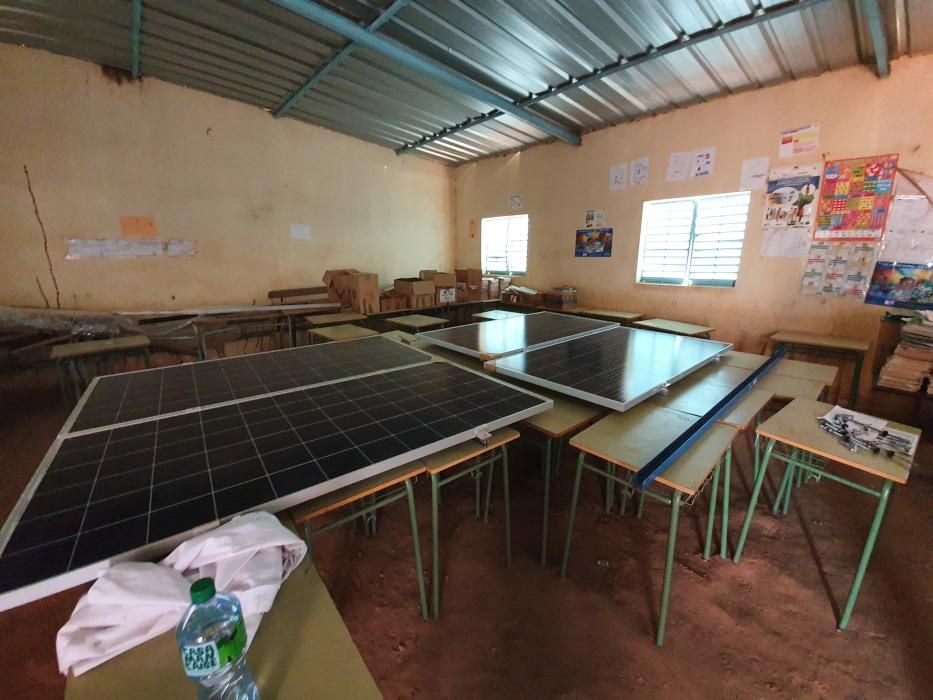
(420, 292)
(469, 284)
(562, 297)
(390, 301)
(354, 289)
(445, 285)
(524, 296)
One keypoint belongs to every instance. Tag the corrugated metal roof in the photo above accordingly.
(533, 52)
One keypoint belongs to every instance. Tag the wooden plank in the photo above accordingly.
(820, 341)
(624, 316)
(332, 319)
(343, 332)
(796, 425)
(631, 439)
(452, 456)
(567, 416)
(297, 292)
(814, 371)
(100, 347)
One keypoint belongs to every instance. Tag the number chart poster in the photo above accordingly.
(594, 243)
(855, 198)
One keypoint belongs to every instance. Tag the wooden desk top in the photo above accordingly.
(662, 324)
(100, 347)
(401, 337)
(796, 425)
(417, 321)
(786, 387)
(330, 319)
(633, 438)
(345, 331)
(452, 456)
(696, 398)
(813, 371)
(611, 314)
(820, 341)
(496, 314)
(302, 650)
(566, 417)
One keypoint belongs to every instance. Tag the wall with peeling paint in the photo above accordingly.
(225, 175)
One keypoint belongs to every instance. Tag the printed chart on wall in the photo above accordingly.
(839, 268)
(790, 209)
(907, 285)
(593, 243)
(855, 198)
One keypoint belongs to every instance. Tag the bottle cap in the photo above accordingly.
(202, 590)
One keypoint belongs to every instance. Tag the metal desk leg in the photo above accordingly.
(610, 487)
(856, 376)
(416, 543)
(753, 501)
(63, 382)
(489, 475)
(573, 513)
(508, 513)
(435, 549)
(547, 498)
(866, 554)
(668, 567)
(711, 515)
(726, 482)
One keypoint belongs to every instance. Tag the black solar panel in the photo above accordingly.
(616, 368)
(491, 339)
(131, 396)
(110, 492)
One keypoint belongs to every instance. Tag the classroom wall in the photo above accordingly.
(859, 115)
(223, 174)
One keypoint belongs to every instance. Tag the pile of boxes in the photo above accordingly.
(354, 289)
(469, 285)
(562, 297)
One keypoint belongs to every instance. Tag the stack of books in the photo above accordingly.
(910, 368)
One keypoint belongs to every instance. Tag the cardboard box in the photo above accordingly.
(445, 279)
(446, 295)
(420, 301)
(412, 286)
(468, 293)
(392, 302)
(427, 274)
(338, 284)
(470, 277)
(364, 292)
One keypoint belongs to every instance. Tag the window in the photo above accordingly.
(694, 241)
(505, 245)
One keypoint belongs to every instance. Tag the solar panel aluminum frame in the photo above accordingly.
(493, 366)
(66, 431)
(485, 357)
(69, 579)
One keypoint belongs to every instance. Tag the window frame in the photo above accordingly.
(506, 273)
(686, 281)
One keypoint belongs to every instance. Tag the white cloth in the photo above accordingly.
(134, 602)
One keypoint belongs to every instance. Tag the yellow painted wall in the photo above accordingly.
(225, 175)
(859, 115)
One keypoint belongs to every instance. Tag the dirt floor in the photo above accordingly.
(763, 629)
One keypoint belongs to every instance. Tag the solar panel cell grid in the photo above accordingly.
(133, 396)
(112, 491)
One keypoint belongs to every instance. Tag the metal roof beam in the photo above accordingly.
(879, 39)
(337, 58)
(428, 68)
(759, 15)
(135, 36)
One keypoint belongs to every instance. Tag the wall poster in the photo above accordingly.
(908, 285)
(855, 197)
(839, 269)
(790, 210)
(799, 141)
(593, 243)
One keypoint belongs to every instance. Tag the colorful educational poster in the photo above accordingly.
(799, 142)
(678, 166)
(907, 285)
(593, 243)
(594, 218)
(638, 170)
(839, 269)
(790, 202)
(855, 197)
(702, 161)
(618, 175)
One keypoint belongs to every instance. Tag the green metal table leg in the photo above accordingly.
(547, 499)
(668, 567)
(753, 501)
(560, 449)
(573, 513)
(623, 499)
(610, 487)
(641, 505)
(856, 377)
(711, 515)
(416, 543)
(866, 554)
(785, 484)
(435, 549)
(492, 469)
(726, 483)
(478, 483)
(508, 512)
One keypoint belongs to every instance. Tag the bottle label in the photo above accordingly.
(204, 659)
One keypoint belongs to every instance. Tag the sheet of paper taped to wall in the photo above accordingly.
(82, 248)
(909, 231)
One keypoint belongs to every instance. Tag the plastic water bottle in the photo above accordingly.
(212, 639)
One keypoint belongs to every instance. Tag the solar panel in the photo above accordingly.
(133, 396)
(617, 368)
(135, 491)
(491, 339)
